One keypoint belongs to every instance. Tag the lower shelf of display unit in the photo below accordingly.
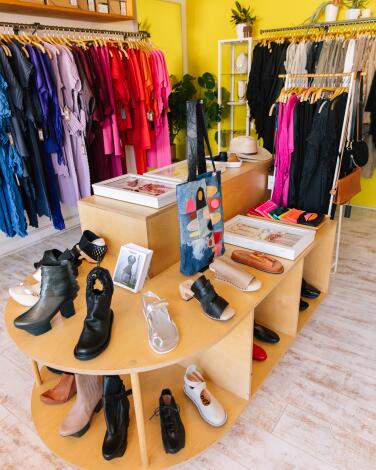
(86, 452)
(305, 316)
(260, 370)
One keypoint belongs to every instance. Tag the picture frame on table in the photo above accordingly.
(268, 237)
(132, 267)
(177, 173)
(137, 189)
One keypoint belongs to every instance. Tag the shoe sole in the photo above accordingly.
(67, 310)
(150, 344)
(202, 416)
(87, 357)
(209, 316)
(82, 431)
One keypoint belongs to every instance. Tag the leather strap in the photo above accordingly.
(211, 302)
(196, 136)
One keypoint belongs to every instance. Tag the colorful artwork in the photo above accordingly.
(142, 185)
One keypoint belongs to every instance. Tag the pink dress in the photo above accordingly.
(284, 147)
(159, 154)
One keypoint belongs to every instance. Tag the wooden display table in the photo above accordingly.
(221, 349)
(158, 229)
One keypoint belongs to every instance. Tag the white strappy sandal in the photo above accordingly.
(163, 333)
(26, 294)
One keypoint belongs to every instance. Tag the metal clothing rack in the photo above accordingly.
(325, 26)
(17, 27)
(342, 142)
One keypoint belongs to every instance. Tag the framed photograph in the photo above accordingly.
(178, 172)
(269, 237)
(132, 267)
(137, 190)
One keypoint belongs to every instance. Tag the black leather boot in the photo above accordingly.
(55, 256)
(96, 332)
(59, 289)
(116, 413)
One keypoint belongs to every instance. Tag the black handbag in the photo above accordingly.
(356, 153)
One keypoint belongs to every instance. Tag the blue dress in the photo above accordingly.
(12, 217)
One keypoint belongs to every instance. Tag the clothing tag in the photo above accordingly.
(149, 115)
(271, 182)
(40, 134)
(73, 2)
(66, 113)
(83, 148)
(123, 113)
(10, 137)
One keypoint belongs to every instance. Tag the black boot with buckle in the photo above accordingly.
(116, 413)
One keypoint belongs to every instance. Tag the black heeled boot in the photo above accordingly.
(96, 332)
(116, 413)
(55, 256)
(59, 289)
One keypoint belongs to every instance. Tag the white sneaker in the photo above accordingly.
(208, 406)
(26, 294)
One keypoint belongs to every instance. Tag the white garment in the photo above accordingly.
(349, 61)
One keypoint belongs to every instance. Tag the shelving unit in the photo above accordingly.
(30, 8)
(221, 349)
(225, 63)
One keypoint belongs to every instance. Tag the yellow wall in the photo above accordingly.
(208, 21)
(165, 29)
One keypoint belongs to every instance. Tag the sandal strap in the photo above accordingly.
(211, 302)
(92, 250)
(227, 270)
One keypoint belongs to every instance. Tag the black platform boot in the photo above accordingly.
(59, 289)
(116, 413)
(96, 332)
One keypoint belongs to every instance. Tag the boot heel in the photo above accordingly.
(67, 309)
(99, 406)
(185, 290)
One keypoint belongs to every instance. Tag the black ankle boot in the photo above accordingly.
(96, 333)
(59, 289)
(55, 256)
(116, 413)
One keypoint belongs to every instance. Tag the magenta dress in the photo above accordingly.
(284, 147)
(159, 155)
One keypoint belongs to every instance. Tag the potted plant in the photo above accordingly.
(243, 20)
(189, 88)
(331, 9)
(182, 91)
(354, 9)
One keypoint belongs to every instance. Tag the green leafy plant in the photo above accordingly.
(182, 91)
(357, 4)
(202, 88)
(241, 14)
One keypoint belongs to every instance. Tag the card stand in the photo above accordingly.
(221, 349)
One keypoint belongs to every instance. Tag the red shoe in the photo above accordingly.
(259, 354)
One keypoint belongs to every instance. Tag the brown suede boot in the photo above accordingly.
(89, 399)
(63, 391)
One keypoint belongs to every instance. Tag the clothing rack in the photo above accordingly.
(342, 143)
(326, 26)
(17, 27)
